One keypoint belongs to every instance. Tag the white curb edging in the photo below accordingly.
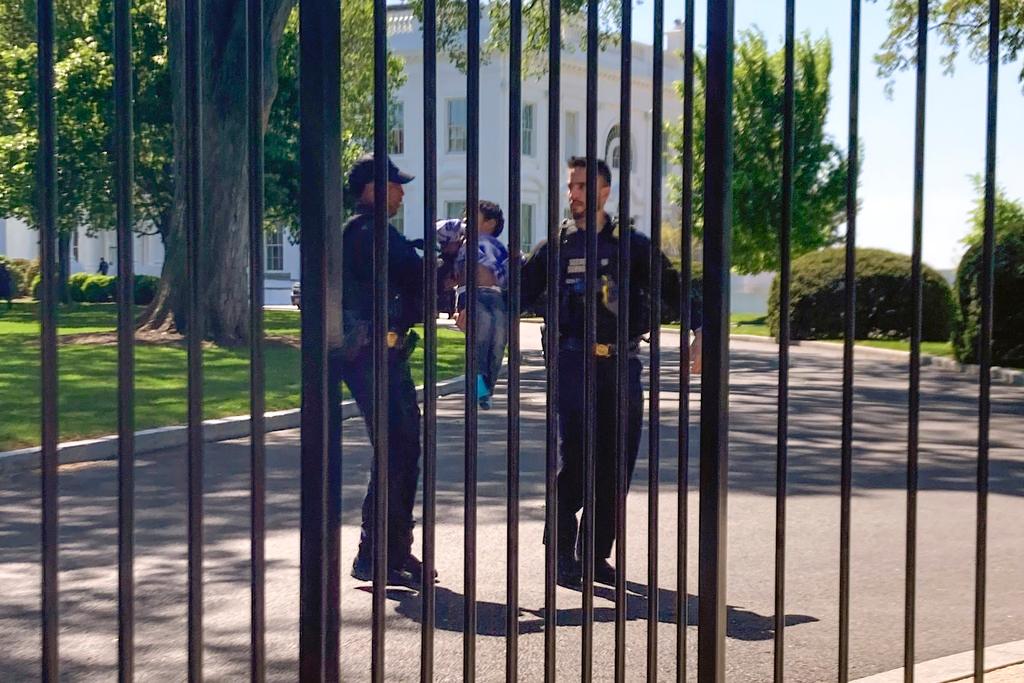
(955, 667)
(221, 429)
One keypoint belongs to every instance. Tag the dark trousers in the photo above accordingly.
(403, 443)
(572, 422)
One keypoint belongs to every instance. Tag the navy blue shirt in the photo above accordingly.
(405, 274)
(572, 305)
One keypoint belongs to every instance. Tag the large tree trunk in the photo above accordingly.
(224, 240)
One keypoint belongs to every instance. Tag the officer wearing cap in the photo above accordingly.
(572, 353)
(353, 363)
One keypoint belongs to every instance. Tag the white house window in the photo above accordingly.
(275, 250)
(396, 128)
(454, 209)
(526, 227)
(612, 148)
(528, 129)
(398, 220)
(74, 246)
(457, 125)
(572, 134)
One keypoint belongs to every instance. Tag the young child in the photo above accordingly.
(492, 299)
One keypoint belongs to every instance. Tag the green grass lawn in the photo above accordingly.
(88, 375)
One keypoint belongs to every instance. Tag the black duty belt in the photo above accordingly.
(601, 350)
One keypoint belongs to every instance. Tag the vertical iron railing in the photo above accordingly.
(320, 199)
(655, 270)
(429, 337)
(515, 98)
(683, 433)
(986, 285)
(381, 374)
(551, 339)
(782, 428)
(914, 390)
(472, 361)
(257, 400)
(194, 331)
(714, 414)
(47, 177)
(589, 340)
(849, 322)
(622, 339)
(320, 218)
(125, 341)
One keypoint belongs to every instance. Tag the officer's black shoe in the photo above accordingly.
(362, 569)
(414, 568)
(604, 572)
(570, 573)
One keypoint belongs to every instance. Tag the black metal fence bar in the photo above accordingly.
(654, 424)
(47, 174)
(320, 183)
(125, 342)
(714, 414)
(381, 395)
(257, 398)
(589, 340)
(429, 337)
(683, 435)
(846, 448)
(551, 336)
(472, 361)
(914, 402)
(622, 339)
(194, 332)
(985, 351)
(515, 263)
(782, 444)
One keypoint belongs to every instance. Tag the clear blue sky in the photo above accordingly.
(955, 123)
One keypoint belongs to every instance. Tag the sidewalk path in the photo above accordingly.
(946, 550)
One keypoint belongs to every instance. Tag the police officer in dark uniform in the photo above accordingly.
(572, 356)
(353, 363)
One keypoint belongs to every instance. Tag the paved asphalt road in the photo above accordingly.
(946, 548)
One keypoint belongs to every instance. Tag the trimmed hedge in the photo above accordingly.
(23, 271)
(75, 285)
(1007, 306)
(145, 287)
(95, 289)
(884, 308)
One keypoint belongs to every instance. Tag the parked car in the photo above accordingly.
(297, 295)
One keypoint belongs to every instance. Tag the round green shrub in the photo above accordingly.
(36, 286)
(23, 272)
(98, 289)
(884, 307)
(145, 289)
(76, 283)
(1007, 307)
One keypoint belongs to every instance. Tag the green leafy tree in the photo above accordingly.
(820, 166)
(85, 115)
(960, 24)
(1009, 214)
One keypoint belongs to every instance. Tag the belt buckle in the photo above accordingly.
(392, 340)
(603, 350)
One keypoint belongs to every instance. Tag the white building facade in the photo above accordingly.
(406, 138)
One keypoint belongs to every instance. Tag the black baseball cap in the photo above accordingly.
(362, 173)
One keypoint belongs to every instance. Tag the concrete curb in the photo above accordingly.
(955, 667)
(999, 375)
(221, 429)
